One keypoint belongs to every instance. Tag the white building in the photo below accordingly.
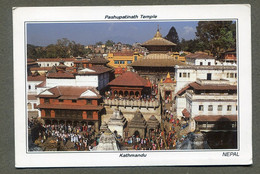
(187, 74)
(95, 76)
(208, 102)
(32, 82)
(50, 62)
(200, 59)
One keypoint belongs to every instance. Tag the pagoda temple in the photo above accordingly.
(158, 62)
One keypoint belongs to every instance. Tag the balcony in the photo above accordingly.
(132, 103)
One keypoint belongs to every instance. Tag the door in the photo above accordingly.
(208, 76)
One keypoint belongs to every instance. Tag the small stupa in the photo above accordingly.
(117, 122)
(107, 142)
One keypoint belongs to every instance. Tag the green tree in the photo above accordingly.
(99, 43)
(216, 36)
(173, 37)
(109, 43)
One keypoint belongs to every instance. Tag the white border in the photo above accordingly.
(170, 158)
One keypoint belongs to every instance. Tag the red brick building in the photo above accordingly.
(70, 105)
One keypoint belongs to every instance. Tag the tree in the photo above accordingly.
(173, 37)
(99, 43)
(109, 43)
(216, 36)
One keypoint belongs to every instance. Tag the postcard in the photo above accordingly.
(132, 86)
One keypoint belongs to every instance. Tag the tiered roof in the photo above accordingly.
(157, 60)
(158, 40)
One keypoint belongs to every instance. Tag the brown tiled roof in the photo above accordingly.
(199, 56)
(196, 86)
(219, 118)
(43, 84)
(32, 97)
(64, 106)
(60, 75)
(36, 78)
(129, 79)
(157, 60)
(30, 60)
(98, 60)
(69, 92)
(186, 113)
(99, 69)
(40, 68)
(55, 59)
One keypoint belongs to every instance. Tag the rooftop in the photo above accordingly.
(219, 118)
(199, 56)
(70, 92)
(55, 59)
(36, 78)
(158, 40)
(129, 79)
(157, 60)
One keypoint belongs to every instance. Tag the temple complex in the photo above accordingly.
(158, 62)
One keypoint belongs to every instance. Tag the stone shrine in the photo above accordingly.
(117, 122)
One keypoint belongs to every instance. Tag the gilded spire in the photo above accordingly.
(158, 34)
(168, 76)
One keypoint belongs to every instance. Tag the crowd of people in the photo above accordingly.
(83, 137)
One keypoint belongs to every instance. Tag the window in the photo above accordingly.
(231, 75)
(90, 114)
(236, 107)
(176, 57)
(116, 62)
(39, 64)
(46, 100)
(129, 61)
(188, 75)
(229, 107)
(29, 87)
(61, 100)
(180, 74)
(184, 74)
(47, 64)
(71, 64)
(47, 113)
(219, 107)
(227, 75)
(74, 101)
(201, 108)
(235, 75)
(89, 102)
(201, 63)
(209, 63)
(122, 62)
(210, 108)
(135, 58)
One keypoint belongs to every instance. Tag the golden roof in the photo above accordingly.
(158, 40)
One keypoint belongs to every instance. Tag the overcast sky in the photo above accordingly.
(43, 34)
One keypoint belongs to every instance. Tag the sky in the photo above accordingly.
(43, 34)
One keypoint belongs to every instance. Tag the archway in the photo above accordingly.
(126, 93)
(120, 93)
(132, 93)
(136, 93)
(115, 93)
(136, 133)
